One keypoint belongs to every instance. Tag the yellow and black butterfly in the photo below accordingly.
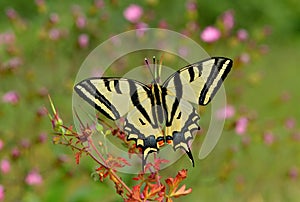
(155, 114)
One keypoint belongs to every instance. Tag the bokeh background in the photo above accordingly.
(43, 43)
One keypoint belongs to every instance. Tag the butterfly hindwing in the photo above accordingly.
(144, 132)
(181, 125)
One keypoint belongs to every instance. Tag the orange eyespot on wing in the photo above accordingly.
(161, 143)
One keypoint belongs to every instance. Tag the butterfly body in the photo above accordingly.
(157, 114)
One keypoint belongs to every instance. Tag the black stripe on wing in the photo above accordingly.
(218, 73)
(88, 91)
(136, 101)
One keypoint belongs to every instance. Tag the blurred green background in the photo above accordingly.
(41, 52)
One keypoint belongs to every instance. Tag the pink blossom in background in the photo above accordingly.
(11, 97)
(293, 173)
(15, 152)
(226, 112)
(183, 51)
(242, 34)
(285, 96)
(191, 6)
(33, 178)
(268, 138)
(25, 143)
(80, 22)
(42, 111)
(133, 13)
(54, 34)
(7, 38)
(290, 123)
(192, 26)
(39, 2)
(163, 24)
(43, 91)
(244, 58)
(1, 144)
(83, 40)
(54, 18)
(241, 125)
(42, 137)
(210, 34)
(228, 20)
(2, 194)
(141, 28)
(11, 13)
(99, 3)
(264, 49)
(14, 63)
(5, 166)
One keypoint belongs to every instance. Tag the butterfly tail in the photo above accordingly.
(190, 155)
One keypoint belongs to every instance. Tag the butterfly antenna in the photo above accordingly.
(147, 64)
(154, 68)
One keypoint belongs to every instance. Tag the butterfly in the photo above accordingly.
(157, 114)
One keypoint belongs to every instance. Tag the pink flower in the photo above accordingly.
(80, 22)
(1, 144)
(293, 173)
(244, 58)
(83, 40)
(183, 51)
(269, 138)
(226, 112)
(1, 192)
(43, 92)
(40, 2)
(133, 13)
(42, 111)
(264, 49)
(5, 166)
(14, 63)
(163, 24)
(54, 18)
(228, 20)
(191, 6)
(7, 38)
(99, 3)
(241, 125)
(290, 123)
(25, 143)
(33, 178)
(11, 97)
(242, 34)
(210, 34)
(15, 152)
(285, 96)
(54, 34)
(296, 136)
(141, 28)
(42, 137)
(11, 13)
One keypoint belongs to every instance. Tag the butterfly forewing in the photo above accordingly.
(199, 82)
(113, 97)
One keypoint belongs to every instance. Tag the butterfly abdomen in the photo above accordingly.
(158, 110)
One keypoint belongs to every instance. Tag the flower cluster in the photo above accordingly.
(149, 187)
